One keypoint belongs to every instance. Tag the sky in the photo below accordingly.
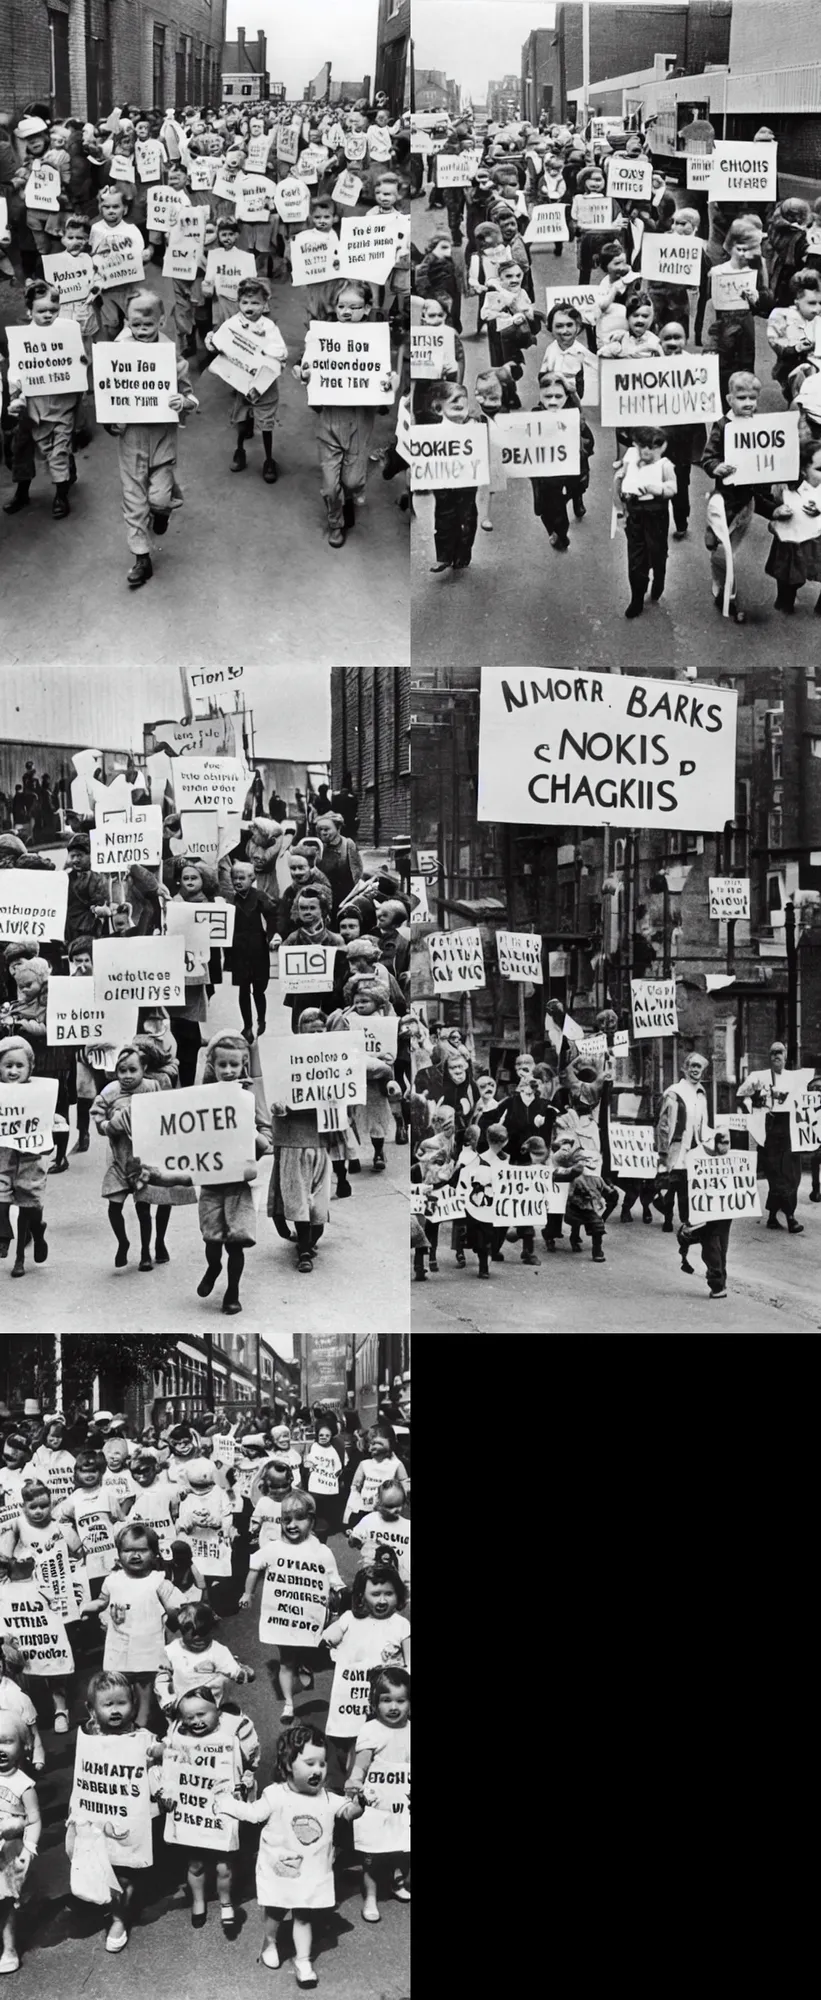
(474, 40)
(302, 37)
(292, 710)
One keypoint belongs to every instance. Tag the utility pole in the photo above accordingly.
(585, 60)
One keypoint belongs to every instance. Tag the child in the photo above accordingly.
(300, 1183)
(792, 330)
(266, 1514)
(685, 442)
(732, 333)
(132, 1601)
(94, 1511)
(323, 1465)
(673, 301)
(299, 1575)
(205, 1518)
(296, 1847)
(613, 290)
(77, 244)
(253, 321)
(22, 1174)
(644, 484)
(550, 496)
(344, 434)
(636, 337)
(222, 294)
(713, 1238)
(509, 314)
(117, 1478)
(226, 1213)
(126, 1848)
(50, 417)
(14, 1702)
(111, 233)
(435, 278)
(112, 1116)
(49, 1543)
(795, 556)
(200, 1721)
(148, 452)
(786, 246)
(379, 1464)
(156, 1501)
(185, 1575)
(385, 1528)
(372, 1634)
(566, 355)
(455, 514)
(380, 1776)
(192, 1658)
(20, 1829)
(730, 511)
(26, 1609)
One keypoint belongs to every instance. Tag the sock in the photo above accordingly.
(236, 1266)
(162, 1220)
(23, 1233)
(340, 1168)
(61, 1145)
(316, 1233)
(379, 1149)
(83, 1117)
(303, 1238)
(144, 1220)
(117, 1221)
(268, 445)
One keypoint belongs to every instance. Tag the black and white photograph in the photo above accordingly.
(205, 1665)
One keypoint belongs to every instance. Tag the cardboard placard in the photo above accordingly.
(729, 896)
(437, 1204)
(348, 364)
(313, 161)
(312, 1070)
(537, 444)
(699, 169)
(164, 206)
(185, 246)
(27, 1114)
(74, 276)
(432, 350)
(150, 970)
(671, 259)
(583, 297)
(742, 168)
(133, 381)
(457, 170)
(380, 145)
(241, 359)
(211, 681)
(226, 187)
(519, 956)
(315, 257)
(292, 199)
(722, 1187)
(419, 889)
(548, 224)
(210, 1550)
(206, 927)
(653, 1002)
(224, 269)
(596, 749)
(456, 960)
(731, 289)
(209, 782)
(149, 155)
(256, 152)
(76, 1020)
(52, 1572)
(593, 211)
(633, 1155)
(355, 146)
(121, 167)
(32, 905)
(762, 449)
(118, 260)
(288, 143)
(254, 197)
(369, 246)
(671, 389)
(601, 128)
(294, 1597)
(599, 1045)
(115, 847)
(205, 1130)
(193, 1770)
(48, 360)
(346, 190)
(446, 455)
(42, 189)
(111, 1787)
(805, 1124)
(628, 179)
(202, 737)
(381, 1035)
(202, 175)
(307, 968)
(40, 1633)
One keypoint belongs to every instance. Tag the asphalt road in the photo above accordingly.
(521, 603)
(62, 1941)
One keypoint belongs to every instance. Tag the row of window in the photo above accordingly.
(197, 73)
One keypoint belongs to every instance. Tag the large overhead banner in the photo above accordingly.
(604, 749)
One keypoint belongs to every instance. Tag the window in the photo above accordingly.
(228, 90)
(179, 66)
(158, 67)
(247, 90)
(197, 84)
(774, 827)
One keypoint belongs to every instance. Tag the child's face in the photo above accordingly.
(37, 1509)
(144, 1471)
(117, 1454)
(136, 1558)
(552, 395)
(509, 229)
(323, 219)
(564, 330)
(252, 306)
(813, 472)
(640, 319)
(649, 454)
(242, 876)
(809, 304)
(177, 176)
(44, 311)
(113, 1710)
(144, 321)
(28, 983)
(194, 1642)
(393, 1707)
(672, 339)
(324, 1435)
(296, 1527)
(433, 313)
(14, 1066)
(595, 182)
(9, 1745)
(82, 967)
(228, 1065)
(489, 395)
(86, 1475)
(743, 400)
(129, 1074)
(442, 247)
(201, 1717)
(379, 1446)
(618, 268)
(14, 1455)
(349, 928)
(679, 226)
(390, 1504)
(309, 1770)
(386, 194)
(722, 1142)
(749, 251)
(509, 274)
(75, 241)
(350, 307)
(380, 1596)
(456, 408)
(226, 238)
(142, 130)
(112, 209)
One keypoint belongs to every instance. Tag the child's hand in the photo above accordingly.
(17, 405)
(209, 338)
(176, 403)
(154, 1754)
(39, 1763)
(724, 470)
(115, 431)
(783, 513)
(249, 1171)
(281, 1110)
(208, 290)
(245, 1602)
(245, 1676)
(253, 394)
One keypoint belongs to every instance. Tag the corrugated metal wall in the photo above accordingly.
(100, 705)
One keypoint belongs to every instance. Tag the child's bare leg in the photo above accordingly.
(9, 1934)
(225, 1885)
(120, 1909)
(303, 1945)
(287, 1679)
(483, 498)
(196, 1884)
(370, 1903)
(58, 1695)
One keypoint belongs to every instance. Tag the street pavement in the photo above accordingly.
(522, 604)
(362, 1258)
(62, 1941)
(772, 1285)
(245, 570)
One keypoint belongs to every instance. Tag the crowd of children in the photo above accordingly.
(769, 256)
(125, 1567)
(181, 231)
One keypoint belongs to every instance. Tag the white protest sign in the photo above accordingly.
(355, 145)
(27, 1114)
(315, 257)
(210, 1550)
(32, 905)
(593, 211)
(380, 144)
(208, 683)
(438, 1204)
(257, 152)
(419, 889)
(583, 297)
(149, 155)
(589, 749)
(185, 245)
(74, 1018)
(192, 1772)
(537, 444)
(48, 360)
(313, 1070)
(699, 169)
(206, 927)
(670, 259)
(729, 896)
(292, 199)
(164, 206)
(346, 190)
(73, 277)
(428, 860)
(601, 128)
(432, 350)
(4, 217)
(294, 1597)
(456, 960)
(731, 289)
(205, 1130)
(134, 380)
(526, 1194)
(202, 174)
(254, 197)
(633, 1155)
(761, 449)
(548, 224)
(669, 389)
(313, 161)
(43, 187)
(224, 269)
(369, 245)
(226, 187)
(220, 782)
(519, 956)
(150, 970)
(654, 1007)
(202, 736)
(40, 1632)
(348, 364)
(721, 1187)
(200, 836)
(121, 168)
(52, 1570)
(628, 179)
(447, 455)
(118, 260)
(307, 968)
(381, 1035)
(731, 1121)
(805, 1124)
(598, 1045)
(288, 143)
(241, 358)
(116, 847)
(741, 168)
(457, 170)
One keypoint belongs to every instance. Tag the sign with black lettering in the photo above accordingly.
(150, 970)
(519, 956)
(722, 1187)
(743, 167)
(729, 896)
(805, 1124)
(348, 364)
(654, 1007)
(456, 960)
(32, 906)
(39, 1631)
(666, 389)
(447, 455)
(437, 1204)
(671, 259)
(294, 1597)
(310, 1070)
(307, 968)
(629, 179)
(206, 1130)
(536, 444)
(761, 449)
(194, 1769)
(111, 1790)
(633, 1155)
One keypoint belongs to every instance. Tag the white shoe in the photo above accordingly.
(9, 1962)
(370, 1911)
(305, 1974)
(269, 1956)
(116, 1943)
(61, 1723)
(288, 1712)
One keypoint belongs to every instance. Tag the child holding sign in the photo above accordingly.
(372, 1634)
(111, 237)
(205, 1750)
(795, 556)
(323, 1465)
(117, 1783)
(252, 319)
(712, 1237)
(22, 1173)
(206, 1519)
(227, 1215)
(95, 1512)
(297, 1816)
(385, 1529)
(732, 333)
(28, 1615)
(132, 1601)
(192, 1658)
(343, 433)
(381, 1776)
(380, 1463)
(148, 452)
(112, 1116)
(550, 496)
(20, 1829)
(299, 1575)
(50, 416)
(644, 485)
(299, 1190)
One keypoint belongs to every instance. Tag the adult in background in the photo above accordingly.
(340, 859)
(254, 926)
(772, 1091)
(682, 1125)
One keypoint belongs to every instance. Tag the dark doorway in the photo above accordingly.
(60, 77)
(98, 76)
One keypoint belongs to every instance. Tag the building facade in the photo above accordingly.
(431, 90)
(220, 1370)
(503, 99)
(245, 69)
(695, 33)
(81, 57)
(392, 73)
(369, 738)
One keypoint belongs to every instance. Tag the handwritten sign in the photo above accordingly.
(519, 956)
(241, 357)
(32, 905)
(456, 960)
(671, 259)
(313, 161)
(150, 970)
(633, 1155)
(208, 782)
(601, 128)
(743, 167)
(121, 167)
(224, 269)
(447, 455)
(593, 211)
(583, 297)
(312, 1070)
(432, 351)
(369, 246)
(676, 389)
(206, 1130)
(206, 927)
(149, 155)
(598, 1045)
(346, 190)
(75, 1019)
(381, 1035)
(654, 1007)
(43, 187)
(315, 257)
(591, 749)
(114, 848)
(257, 152)
(48, 360)
(185, 246)
(292, 199)
(355, 146)
(133, 381)
(254, 195)
(210, 1550)
(722, 1187)
(760, 449)
(111, 1788)
(348, 364)
(526, 1195)
(628, 179)
(197, 738)
(73, 277)
(805, 1124)
(307, 968)
(457, 170)
(193, 1770)
(548, 224)
(294, 1597)
(729, 896)
(164, 206)
(538, 444)
(202, 175)
(699, 169)
(437, 1204)
(52, 1572)
(731, 291)
(288, 143)
(118, 259)
(39, 1631)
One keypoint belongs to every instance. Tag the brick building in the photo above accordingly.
(392, 44)
(245, 69)
(369, 738)
(84, 56)
(695, 33)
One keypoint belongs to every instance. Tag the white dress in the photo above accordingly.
(295, 1858)
(13, 1786)
(366, 1643)
(384, 1827)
